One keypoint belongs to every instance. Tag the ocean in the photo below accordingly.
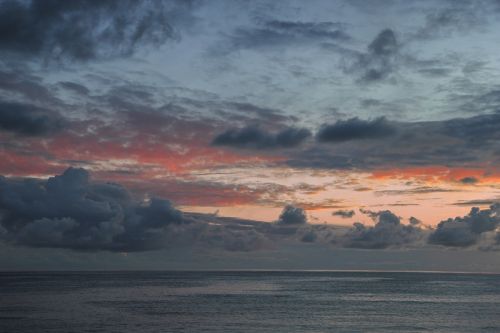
(249, 301)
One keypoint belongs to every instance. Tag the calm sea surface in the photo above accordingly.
(248, 302)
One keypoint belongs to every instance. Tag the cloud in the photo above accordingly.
(28, 119)
(26, 86)
(457, 142)
(75, 87)
(387, 232)
(276, 33)
(467, 230)
(346, 214)
(84, 30)
(469, 180)
(460, 17)
(415, 191)
(355, 129)
(235, 240)
(414, 221)
(69, 211)
(476, 202)
(292, 215)
(252, 137)
(72, 212)
(381, 58)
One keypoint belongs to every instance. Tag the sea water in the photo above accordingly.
(248, 301)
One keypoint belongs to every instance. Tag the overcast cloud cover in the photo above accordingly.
(231, 127)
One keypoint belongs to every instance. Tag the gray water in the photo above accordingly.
(248, 302)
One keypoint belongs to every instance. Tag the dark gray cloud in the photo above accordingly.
(75, 87)
(472, 142)
(381, 58)
(355, 129)
(255, 138)
(414, 221)
(69, 211)
(346, 214)
(292, 215)
(309, 237)
(28, 119)
(387, 232)
(467, 230)
(275, 33)
(469, 180)
(83, 29)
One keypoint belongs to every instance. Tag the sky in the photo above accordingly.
(250, 134)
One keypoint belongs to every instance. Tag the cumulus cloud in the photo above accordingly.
(69, 211)
(252, 137)
(72, 212)
(467, 230)
(387, 232)
(84, 30)
(26, 119)
(292, 215)
(355, 129)
(346, 214)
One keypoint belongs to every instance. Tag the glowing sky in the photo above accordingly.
(244, 107)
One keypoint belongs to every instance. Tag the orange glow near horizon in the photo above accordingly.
(201, 178)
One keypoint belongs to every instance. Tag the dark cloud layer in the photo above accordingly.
(28, 119)
(466, 231)
(462, 142)
(83, 29)
(355, 129)
(255, 138)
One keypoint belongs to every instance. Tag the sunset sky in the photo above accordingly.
(347, 110)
